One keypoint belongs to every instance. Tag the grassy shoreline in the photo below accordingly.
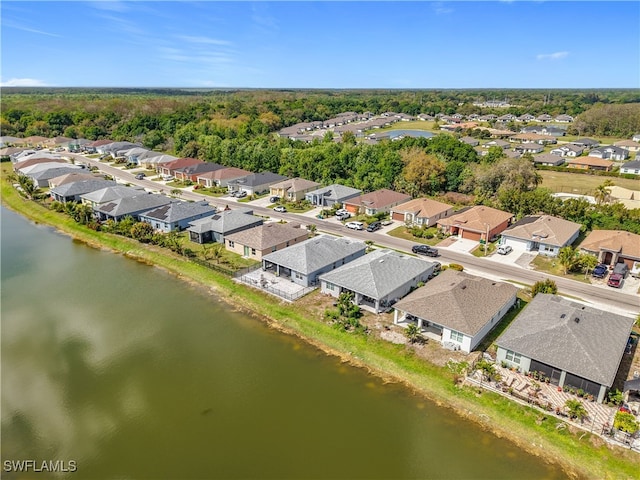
(580, 455)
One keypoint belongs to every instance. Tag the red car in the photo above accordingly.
(615, 280)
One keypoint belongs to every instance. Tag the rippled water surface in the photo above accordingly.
(132, 374)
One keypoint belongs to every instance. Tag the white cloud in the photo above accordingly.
(110, 5)
(552, 56)
(23, 82)
(10, 24)
(203, 40)
(440, 8)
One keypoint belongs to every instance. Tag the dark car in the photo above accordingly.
(600, 271)
(621, 269)
(425, 250)
(274, 199)
(374, 226)
(615, 280)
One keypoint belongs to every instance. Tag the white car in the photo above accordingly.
(355, 225)
(280, 209)
(504, 250)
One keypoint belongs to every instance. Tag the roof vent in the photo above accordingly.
(463, 287)
(563, 315)
(576, 319)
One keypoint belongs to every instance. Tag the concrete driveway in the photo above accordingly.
(461, 245)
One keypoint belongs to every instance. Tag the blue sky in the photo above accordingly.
(500, 44)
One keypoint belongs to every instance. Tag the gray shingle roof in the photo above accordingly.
(459, 301)
(109, 194)
(52, 172)
(178, 210)
(132, 205)
(591, 347)
(313, 254)
(257, 179)
(81, 187)
(225, 221)
(268, 235)
(378, 273)
(336, 192)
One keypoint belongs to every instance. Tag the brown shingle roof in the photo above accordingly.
(476, 218)
(422, 207)
(458, 301)
(545, 228)
(590, 161)
(625, 243)
(378, 199)
(268, 235)
(225, 174)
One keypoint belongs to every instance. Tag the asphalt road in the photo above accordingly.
(607, 298)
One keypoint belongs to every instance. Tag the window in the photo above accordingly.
(273, 249)
(513, 357)
(330, 286)
(253, 251)
(298, 276)
(456, 336)
(231, 244)
(287, 244)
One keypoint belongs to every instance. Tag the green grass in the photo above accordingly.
(578, 183)
(401, 232)
(479, 250)
(552, 266)
(529, 428)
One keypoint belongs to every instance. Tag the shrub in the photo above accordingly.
(626, 422)
(456, 266)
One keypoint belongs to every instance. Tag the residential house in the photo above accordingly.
(636, 137)
(421, 212)
(613, 246)
(304, 262)
(476, 223)
(7, 140)
(152, 160)
(73, 177)
(568, 150)
(544, 118)
(586, 143)
(110, 194)
(610, 153)
(258, 241)
(57, 142)
(70, 192)
(532, 138)
(572, 344)
(496, 143)
(114, 148)
(474, 142)
(629, 145)
(41, 177)
(378, 279)
(631, 168)
(123, 207)
(34, 141)
(331, 195)
(378, 201)
(457, 309)
(548, 160)
(590, 163)
(218, 226)
(221, 177)
(255, 183)
(191, 172)
(133, 154)
(564, 118)
(528, 148)
(169, 168)
(527, 117)
(36, 160)
(293, 189)
(95, 145)
(541, 233)
(177, 215)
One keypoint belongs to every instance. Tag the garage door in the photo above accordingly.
(398, 216)
(471, 235)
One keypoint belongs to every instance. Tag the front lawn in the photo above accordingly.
(405, 233)
(552, 266)
(480, 252)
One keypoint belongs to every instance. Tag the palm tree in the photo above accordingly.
(567, 258)
(413, 334)
(603, 192)
(576, 409)
(176, 192)
(588, 262)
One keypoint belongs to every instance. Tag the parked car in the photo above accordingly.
(167, 178)
(274, 199)
(343, 215)
(600, 271)
(355, 225)
(504, 250)
(239, 194)
(374, 226)
(140, 176)
(425, 250)
(615, 280)
(437, 267)
(280, 209)
(621, 269)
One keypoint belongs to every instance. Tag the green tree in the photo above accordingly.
(423, 173)
(544, 286)
(602, 193)
(587, 262)
(29, 188)
(142, 231)
(568, 258)
(487, 369)
(413, 334)
(175, 192)
(575, 409)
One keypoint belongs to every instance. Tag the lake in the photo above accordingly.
(130, 373)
